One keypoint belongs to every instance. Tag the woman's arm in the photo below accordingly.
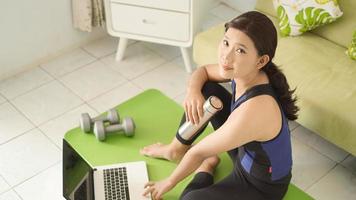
(193, 103)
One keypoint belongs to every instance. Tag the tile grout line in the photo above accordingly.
(32, 89)
(61, 83)
(17, 136)
(84, 101)
(59, 148)
(318, 180)
(40, 130)
(133, 83)
(239, 12)
(141, 74)
(40, 124)
(37, 127)
(321, 153)
(38, 173)
(224, 4)
(294, 128)
(69, 72)
(90, 54)
(350, 169)
(17, 194)
(71, 50)
(5, 99)
(153, 50)
(7, 184)
(103, 93)
(23, 114)
(28, 131)
(155, 68)
(160, 65)
(96, 58)
(44, 83)
(83, 48)
(54, 78)
(131, 80)
(349, 154)
(3, 103)
(108, 91)
(179, 95)
(12, 188)
(179, 103)
(90, 106)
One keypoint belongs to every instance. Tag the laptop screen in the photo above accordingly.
(77, 175)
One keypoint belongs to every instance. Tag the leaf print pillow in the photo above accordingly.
(299, 16)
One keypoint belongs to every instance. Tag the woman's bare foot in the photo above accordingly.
(209, 165)
(172, 152)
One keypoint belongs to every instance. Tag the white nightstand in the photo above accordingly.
(170, 22)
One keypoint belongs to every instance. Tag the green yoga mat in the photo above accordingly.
(157, 119)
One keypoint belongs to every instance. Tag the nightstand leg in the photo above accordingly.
(186, 57)
(121, 48)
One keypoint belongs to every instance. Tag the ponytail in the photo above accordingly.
(280, 85)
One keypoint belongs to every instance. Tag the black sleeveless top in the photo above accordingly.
(269, 161)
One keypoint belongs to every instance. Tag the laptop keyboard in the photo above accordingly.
(115, 184)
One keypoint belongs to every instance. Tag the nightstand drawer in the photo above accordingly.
(150, 22)
(178, 5)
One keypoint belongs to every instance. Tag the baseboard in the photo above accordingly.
(52, 55)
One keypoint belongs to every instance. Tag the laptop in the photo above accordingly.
(122, 181)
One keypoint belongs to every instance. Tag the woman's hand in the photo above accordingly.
(157, 189)
(193, 106)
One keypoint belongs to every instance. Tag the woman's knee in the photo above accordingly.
(210, 88)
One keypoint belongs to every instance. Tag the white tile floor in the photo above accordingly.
(39, 106)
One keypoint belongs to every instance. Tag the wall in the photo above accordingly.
(33, 32)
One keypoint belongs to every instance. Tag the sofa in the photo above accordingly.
(316, 65)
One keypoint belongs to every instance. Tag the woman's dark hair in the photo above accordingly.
(264, 36)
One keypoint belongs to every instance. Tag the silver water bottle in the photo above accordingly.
(210, 107)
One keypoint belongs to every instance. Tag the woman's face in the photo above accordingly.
(238, 56)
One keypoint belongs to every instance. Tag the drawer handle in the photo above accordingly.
(145, 21)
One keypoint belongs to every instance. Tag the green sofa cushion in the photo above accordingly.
(206, 44)
(341, 30)
(157, 118)
(326, 87)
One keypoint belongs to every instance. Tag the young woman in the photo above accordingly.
(252, 127)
